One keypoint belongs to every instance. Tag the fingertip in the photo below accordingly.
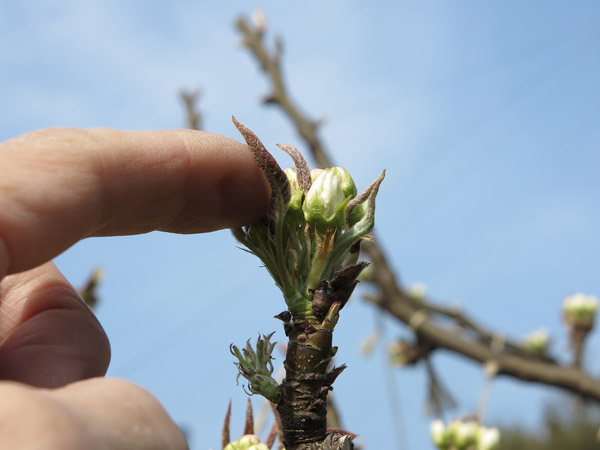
(225, 187)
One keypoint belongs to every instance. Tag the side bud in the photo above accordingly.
(254, 364)
(326, 200)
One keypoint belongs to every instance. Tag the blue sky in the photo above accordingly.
(485, 115)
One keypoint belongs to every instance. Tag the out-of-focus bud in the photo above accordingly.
(451, 430)
(397, 353)
(465, 434)
(326, 200)
(418, 291)
(487, 438)
(247, 442)
(537, 341)
(579, 310)
(437, 430)
(259, 20)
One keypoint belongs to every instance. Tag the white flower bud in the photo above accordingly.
(579, 310)
(537, 341)
(418, 291)
(487, 438)
(259, 20)
(465, 434)
(437, 430)
(326, 200)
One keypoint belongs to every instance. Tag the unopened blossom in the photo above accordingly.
(579, 310)
(463, 435)
(437, 430)
(417, 291)
(327, 198)
(537, 341)
(247, 442)
(487, 438)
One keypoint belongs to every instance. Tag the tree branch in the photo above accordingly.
(270, 64)
(511, 359)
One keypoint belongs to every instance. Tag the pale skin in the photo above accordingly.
(58, 186)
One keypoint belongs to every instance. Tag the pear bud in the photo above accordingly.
(326, 200)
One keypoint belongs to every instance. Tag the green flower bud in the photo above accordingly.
(326, 201)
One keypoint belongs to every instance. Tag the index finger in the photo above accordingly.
(60, 185)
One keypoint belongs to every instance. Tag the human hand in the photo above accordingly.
(58, 186)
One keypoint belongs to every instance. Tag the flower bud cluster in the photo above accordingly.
(312, 231)
(247, 442)
(579, 311)
(537, 342)
(463, 435)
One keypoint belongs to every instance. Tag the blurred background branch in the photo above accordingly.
(193, 115)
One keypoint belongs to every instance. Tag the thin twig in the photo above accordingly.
(193, 116)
